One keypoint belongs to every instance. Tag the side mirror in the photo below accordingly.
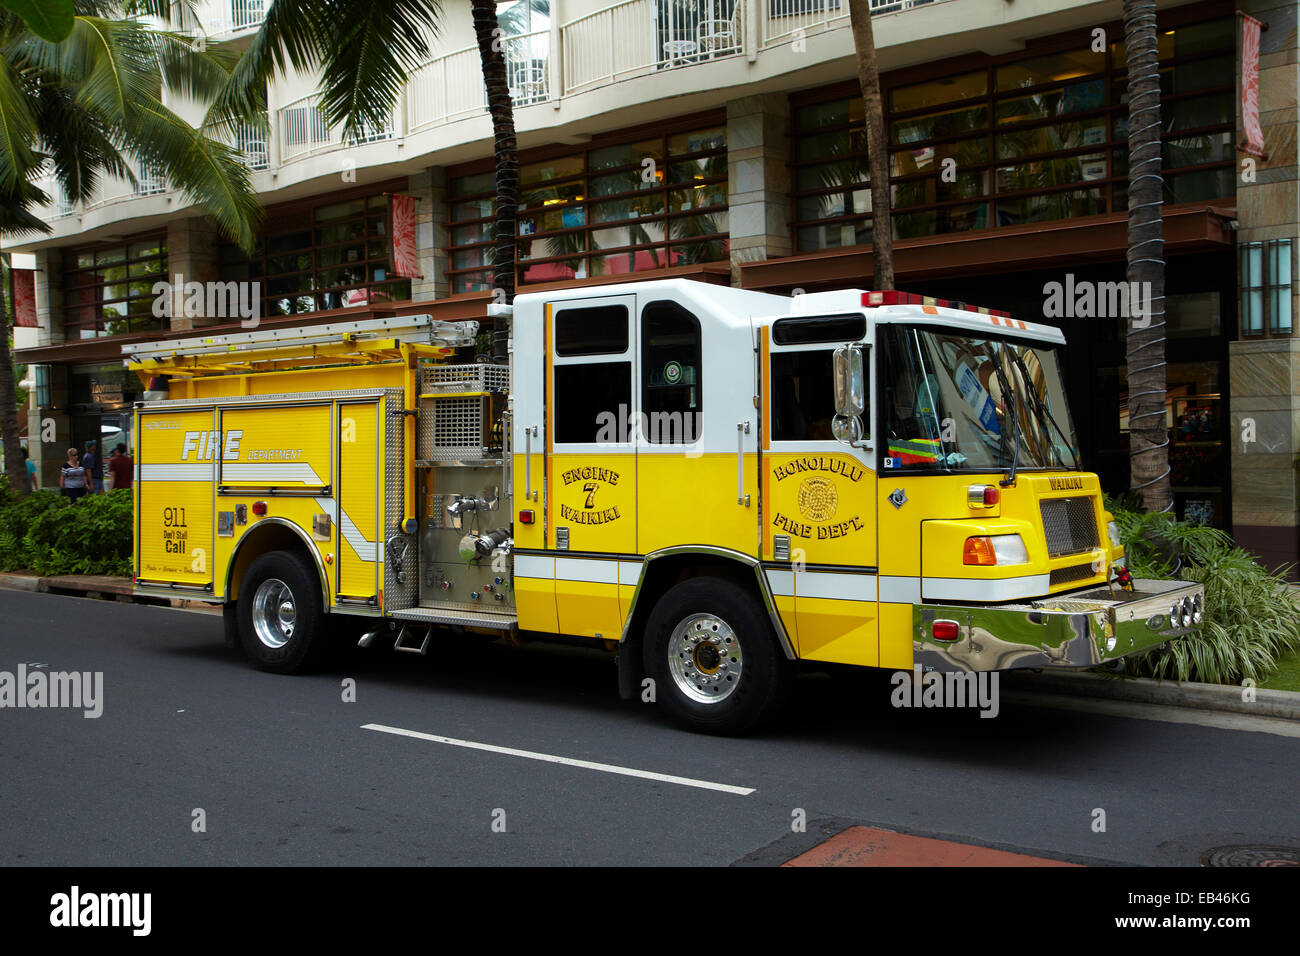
(849, 387)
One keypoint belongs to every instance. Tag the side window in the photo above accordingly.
(593, 374)
(803, 400)
(671, 396)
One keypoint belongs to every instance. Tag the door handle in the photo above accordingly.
(529, 432)
(742, 429)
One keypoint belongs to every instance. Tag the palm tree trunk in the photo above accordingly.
(501, 108)
(15, 468)
(1148, 433)
(882, 229)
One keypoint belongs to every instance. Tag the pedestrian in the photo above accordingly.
(94, 469)
(31, 471)
(73, 477)
(121, 467)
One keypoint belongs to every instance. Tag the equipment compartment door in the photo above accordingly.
(359, 501)
(819, 508)
(177, 454)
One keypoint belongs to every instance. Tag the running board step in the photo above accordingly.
(406, 637)
(429, 615)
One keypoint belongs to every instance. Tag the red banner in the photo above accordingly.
(402, 255)
(22, 290)
(1254, 135)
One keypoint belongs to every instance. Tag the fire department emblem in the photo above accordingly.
(818, 499)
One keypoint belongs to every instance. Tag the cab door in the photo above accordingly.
(591, 458)
(818, 495)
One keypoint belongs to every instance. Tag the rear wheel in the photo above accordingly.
(279, 612)
(714, 658)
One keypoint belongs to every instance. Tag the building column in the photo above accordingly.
(1264, 372)
(192, 257)
(49, 429)
(431, 237)
(758, 179)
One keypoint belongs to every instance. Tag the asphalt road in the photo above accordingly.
(284, 772)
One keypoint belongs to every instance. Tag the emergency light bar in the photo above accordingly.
(873, 299)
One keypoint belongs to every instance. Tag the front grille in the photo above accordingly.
(1070, 525)
(1079, 572)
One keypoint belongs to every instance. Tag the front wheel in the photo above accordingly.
(279, 612)
(712, 653)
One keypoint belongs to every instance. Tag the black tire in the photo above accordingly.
(285, 575)
(713, 691)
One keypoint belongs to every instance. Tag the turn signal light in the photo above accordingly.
(979, 551)
(526, 517)
(945, 630)
(259, 508)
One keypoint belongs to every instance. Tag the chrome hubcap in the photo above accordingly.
(274, 613)
(704, 658)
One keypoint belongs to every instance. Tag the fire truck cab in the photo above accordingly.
(712, 483)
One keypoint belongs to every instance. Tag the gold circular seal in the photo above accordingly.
(818, 499)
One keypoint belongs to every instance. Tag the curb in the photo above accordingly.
(106, 588)
(1278, 704)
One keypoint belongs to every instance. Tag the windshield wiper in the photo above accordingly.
(1041, 411)
(1010, 479)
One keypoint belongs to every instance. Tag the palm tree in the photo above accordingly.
(92, 106)
(501, 108)
(882, 229)
(1148, 435)
(365, 50)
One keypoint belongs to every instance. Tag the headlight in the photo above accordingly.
(1112, 530)
(1010, 549)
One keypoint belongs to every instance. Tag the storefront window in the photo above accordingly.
(337, 258)
(109, 290)
(645, 204)
(1027, 139)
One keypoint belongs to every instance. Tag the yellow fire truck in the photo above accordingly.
(709, 482)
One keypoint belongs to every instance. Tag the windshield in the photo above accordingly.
(949, 399)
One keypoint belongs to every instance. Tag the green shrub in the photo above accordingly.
(48, 534)
(1251, 619)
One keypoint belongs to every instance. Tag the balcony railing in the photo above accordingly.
(303, 130)
(450, 87)
(235, 16)
(784, 21)
(640, 37)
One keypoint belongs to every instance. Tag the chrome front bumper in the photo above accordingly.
(1072, 630)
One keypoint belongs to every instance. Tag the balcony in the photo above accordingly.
(640, 37)
(303, 130)
(450, 87)
(623, 40)
(227, 17)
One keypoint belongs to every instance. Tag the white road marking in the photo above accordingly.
(567, 761)
(1224, 720)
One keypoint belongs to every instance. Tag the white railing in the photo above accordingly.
(246, 13)
(786, 21)
(303, 130)
(450, 87)
(235, 16)
(59, 206)
(639, 37)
